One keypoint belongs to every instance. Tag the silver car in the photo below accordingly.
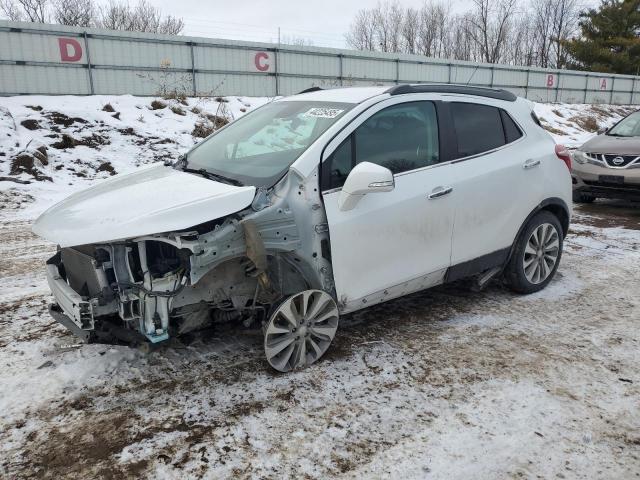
(608, 165)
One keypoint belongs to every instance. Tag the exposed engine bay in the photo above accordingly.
(234, 268)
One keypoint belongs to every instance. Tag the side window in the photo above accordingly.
(478, 128)
(402, 137)
(337, 167)
(511, 130)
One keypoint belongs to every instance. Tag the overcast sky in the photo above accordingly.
(324, 22)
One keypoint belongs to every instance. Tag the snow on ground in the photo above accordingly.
(85, 143)
(446, 383)
(574, 124)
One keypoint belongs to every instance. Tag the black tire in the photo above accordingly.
(515, 271)
(579, 197)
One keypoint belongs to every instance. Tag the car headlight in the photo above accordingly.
(580, 157)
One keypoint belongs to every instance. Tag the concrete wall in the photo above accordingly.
(53, 59)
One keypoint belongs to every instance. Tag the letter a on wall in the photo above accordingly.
(70, 49)
(603, 84)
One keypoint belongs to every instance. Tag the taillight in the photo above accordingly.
(563, 154)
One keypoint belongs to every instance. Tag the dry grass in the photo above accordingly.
(158, 105)
(586, 123)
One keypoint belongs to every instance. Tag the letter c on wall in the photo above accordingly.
(260, 61)
(70, 49)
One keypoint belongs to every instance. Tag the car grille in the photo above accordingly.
(616, 161)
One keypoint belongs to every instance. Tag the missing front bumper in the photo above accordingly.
(75, 308)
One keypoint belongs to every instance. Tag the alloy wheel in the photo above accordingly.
(301, 329)
(541, 253)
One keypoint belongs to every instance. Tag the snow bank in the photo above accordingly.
(85, 139)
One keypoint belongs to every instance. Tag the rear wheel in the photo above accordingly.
(537, 254)
(579, 197)
(300, 330)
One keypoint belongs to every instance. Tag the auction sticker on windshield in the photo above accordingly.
(323, 112)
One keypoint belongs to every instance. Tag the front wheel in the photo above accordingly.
(536, 255)
(300, 330)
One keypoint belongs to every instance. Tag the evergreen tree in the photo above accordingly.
(610, 40)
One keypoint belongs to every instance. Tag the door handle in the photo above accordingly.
(440, 192)
(531, 163)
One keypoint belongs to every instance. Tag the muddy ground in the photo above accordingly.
(445, 383)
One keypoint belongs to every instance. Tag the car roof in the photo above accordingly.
(343, 94)
(360, 94)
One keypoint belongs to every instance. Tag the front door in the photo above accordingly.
(391, 243)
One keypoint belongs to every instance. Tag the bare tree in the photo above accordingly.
(565, 24)
(433, 28)
(78, 13)
(116, 16)
(361, 34)
(489, 27)
(387, 21)
(171, 25)
(11, 10)
(519, 32)
(144, 17)
(410, 30)
(36, 11)
(296, 41)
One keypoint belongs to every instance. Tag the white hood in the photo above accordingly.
(151, 200)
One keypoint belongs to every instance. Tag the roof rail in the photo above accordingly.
(496, 93)
(309, 90)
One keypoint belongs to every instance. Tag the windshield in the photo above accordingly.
(257, 149)
(628, 127)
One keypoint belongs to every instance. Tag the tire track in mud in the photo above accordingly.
(214, 410)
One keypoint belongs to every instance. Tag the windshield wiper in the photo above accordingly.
(213, 176)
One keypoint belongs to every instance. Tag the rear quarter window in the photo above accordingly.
(511, 131)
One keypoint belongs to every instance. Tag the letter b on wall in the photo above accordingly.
(70, 49)
(551, 80)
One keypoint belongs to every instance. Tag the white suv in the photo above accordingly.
(310, 207)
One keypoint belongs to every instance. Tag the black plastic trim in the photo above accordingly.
(446, 132)
(477, 265)
(495, 93)
(310, 89)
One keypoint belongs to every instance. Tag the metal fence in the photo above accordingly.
(54, 59)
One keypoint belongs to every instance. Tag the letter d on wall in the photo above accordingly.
(70, 49)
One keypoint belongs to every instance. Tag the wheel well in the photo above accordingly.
(562, 215)
(556, 207)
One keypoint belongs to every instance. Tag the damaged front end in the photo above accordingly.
(235, 268)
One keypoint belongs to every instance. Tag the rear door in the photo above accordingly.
(396, 242)
(496, 177)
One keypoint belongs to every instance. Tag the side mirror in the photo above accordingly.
(364, 178)
(602, 131)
